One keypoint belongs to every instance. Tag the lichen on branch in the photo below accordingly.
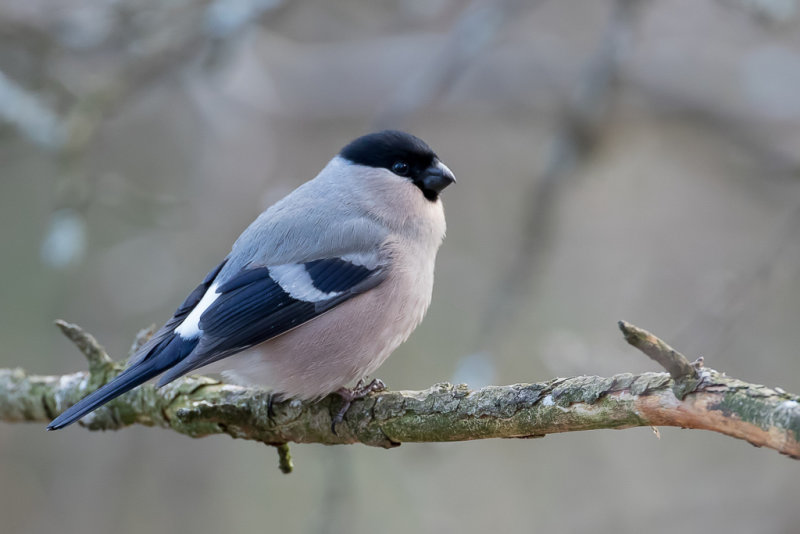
(199, 406)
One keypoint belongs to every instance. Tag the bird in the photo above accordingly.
(318, 291)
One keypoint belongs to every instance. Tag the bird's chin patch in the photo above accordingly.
(429, 194)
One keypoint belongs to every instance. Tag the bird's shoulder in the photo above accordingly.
(306, 230)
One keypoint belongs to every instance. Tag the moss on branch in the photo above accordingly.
(200, 406)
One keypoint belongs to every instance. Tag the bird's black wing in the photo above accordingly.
(162, 351)
(260, 303)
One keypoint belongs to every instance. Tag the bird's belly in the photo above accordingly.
(341, 346)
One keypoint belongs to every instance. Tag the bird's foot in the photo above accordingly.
(350, 395)
(272, 399)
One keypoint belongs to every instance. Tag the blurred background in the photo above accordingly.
(617, 159)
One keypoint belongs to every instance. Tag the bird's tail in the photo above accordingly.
(162, 356)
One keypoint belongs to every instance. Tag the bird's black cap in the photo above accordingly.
(385, 148)
(403, 154)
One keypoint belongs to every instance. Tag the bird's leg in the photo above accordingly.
(271, 406)
(350, 395)
(272, 398)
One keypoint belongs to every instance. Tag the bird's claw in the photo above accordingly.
(271, 406)
(350, 395)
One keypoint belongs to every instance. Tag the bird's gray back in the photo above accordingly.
(313, 222)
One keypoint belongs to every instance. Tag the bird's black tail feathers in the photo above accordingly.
(169, 351)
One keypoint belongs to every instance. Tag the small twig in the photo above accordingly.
(673, 361)
(285, 463)
(142, 337)
(99, 361)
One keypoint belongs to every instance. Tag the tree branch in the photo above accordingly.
(670, 359)
(199, 406)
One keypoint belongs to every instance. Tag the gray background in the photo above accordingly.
(616, 160)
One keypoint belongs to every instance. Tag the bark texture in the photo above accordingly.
(199, 406)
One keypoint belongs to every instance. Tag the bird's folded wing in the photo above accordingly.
(257, 304)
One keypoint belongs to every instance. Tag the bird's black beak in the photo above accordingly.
(436, 178)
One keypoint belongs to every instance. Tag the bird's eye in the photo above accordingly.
(400, 168)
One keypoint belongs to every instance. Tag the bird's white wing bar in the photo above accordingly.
(295, 279)
(190, 327)
(260, 303)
